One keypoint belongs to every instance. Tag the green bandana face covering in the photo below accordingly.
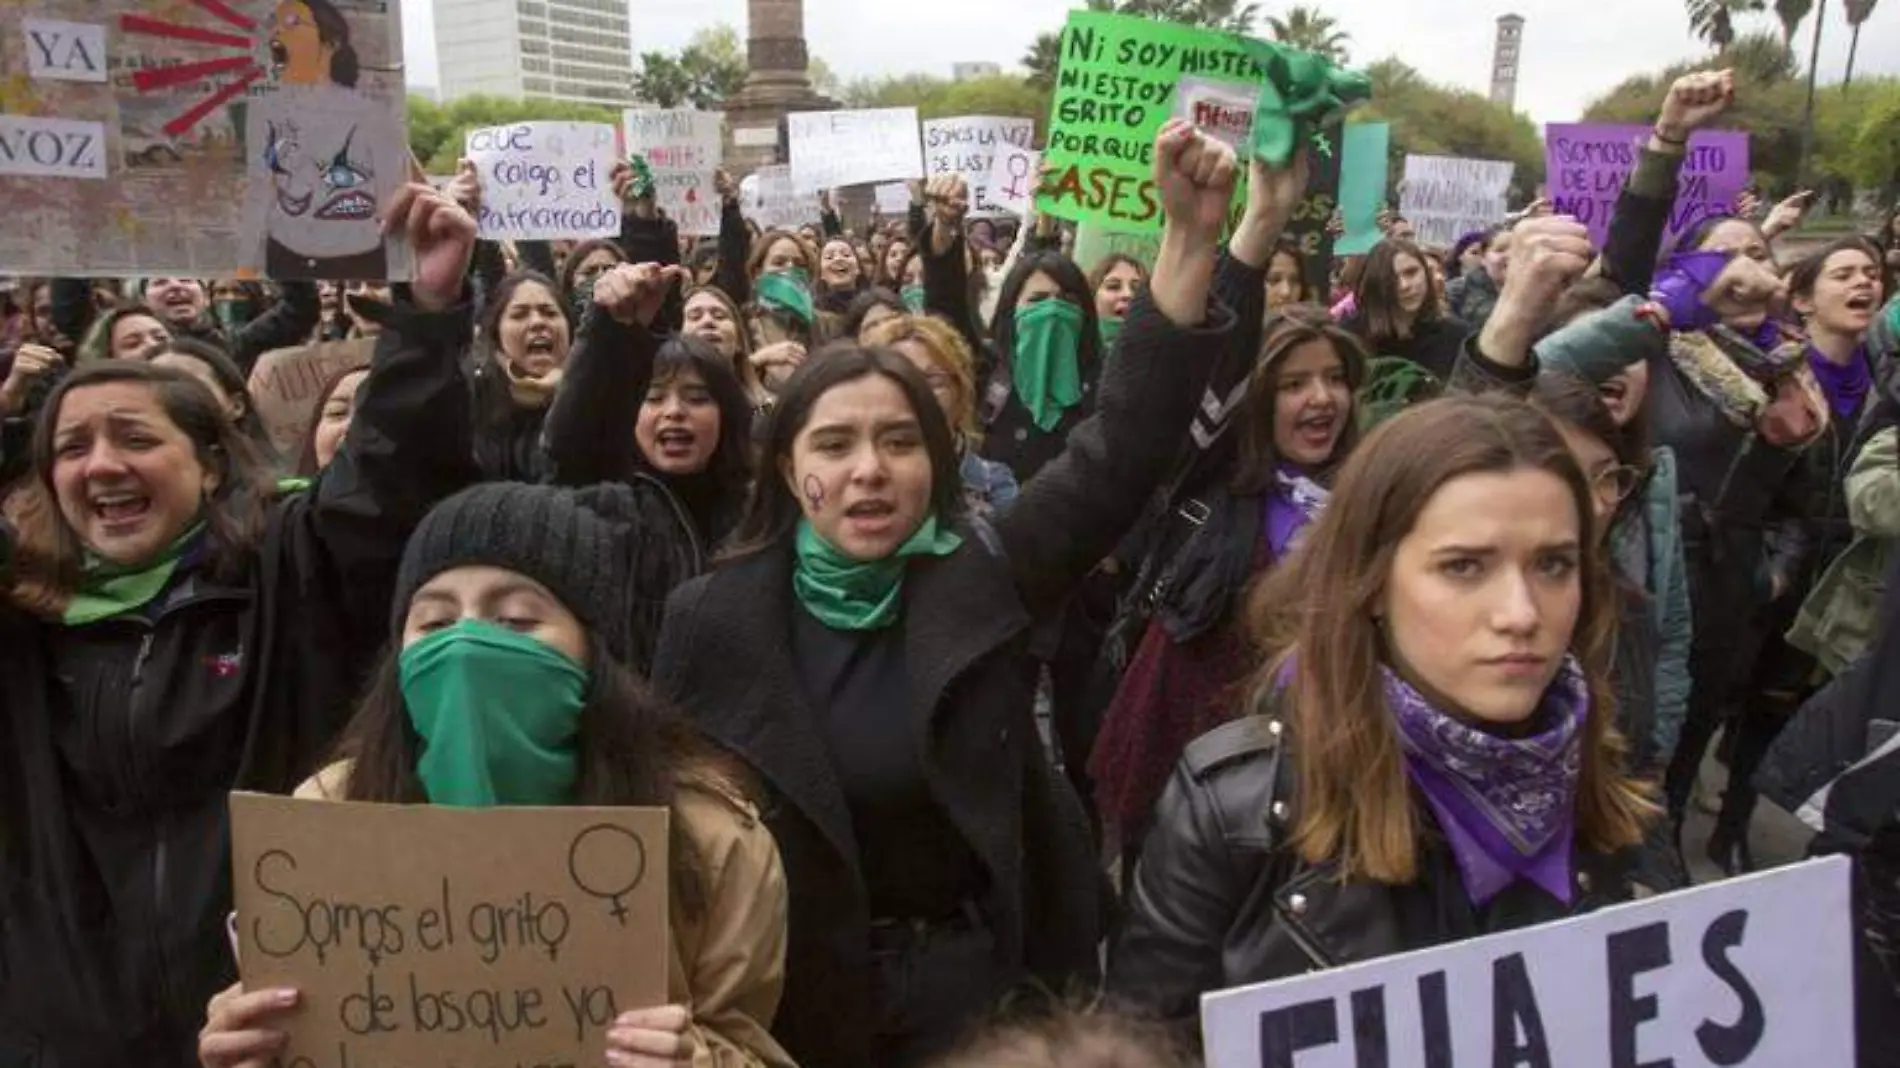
(1111, 331)
(913, 297)
(231, 314)
(498, 713)
(847, 594)
(1043, 366)
(107, 590)
(788, 291)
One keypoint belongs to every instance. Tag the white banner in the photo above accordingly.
(545, 180)
(1222, 110)
(893, 198)
(1754, 972)
(1446, 198)
(968, 145)
(768, 198)
(682, 148)
(834, 149)
(1012, 179)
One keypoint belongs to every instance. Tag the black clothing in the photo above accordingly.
(288, 323)
(1433, 344)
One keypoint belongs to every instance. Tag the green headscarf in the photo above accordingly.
(788, 291)
(1301, 93)
(847, 594)
(1045, 364)
(498, 713)
(107, 589)
(1111, 330)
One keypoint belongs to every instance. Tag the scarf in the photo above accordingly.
(107, 589)
(1300, 93)
(1111, 331)
(788, 292)
(1846, 385)
(914, 298)
(847, 594)
(1507, 806)
(1293, 504)
(1044, 365)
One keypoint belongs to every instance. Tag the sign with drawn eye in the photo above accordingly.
(429, 936)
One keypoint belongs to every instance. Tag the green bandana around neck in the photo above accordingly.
(107, 589)
(788, 291)
(498, 713)
(1111, 331)
(231, 314)
(913, 297)
(1300, 94)
(1045, 364)
(847, 594)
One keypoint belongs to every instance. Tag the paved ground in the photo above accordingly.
(1776, 837)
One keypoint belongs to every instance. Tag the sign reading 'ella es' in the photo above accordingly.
(1754, 972)
(428, 937)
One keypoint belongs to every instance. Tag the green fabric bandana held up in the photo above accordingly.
(1045, 366)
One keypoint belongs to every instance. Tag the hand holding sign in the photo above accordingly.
(443, 237)
(466, 187)
(238, 1032)
(651, 1038)
(948, 196)
(1694, 101)
(1195, 174)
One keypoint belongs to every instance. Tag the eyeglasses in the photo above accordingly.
(1616, 483)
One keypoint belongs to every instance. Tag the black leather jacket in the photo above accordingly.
(1220, 900)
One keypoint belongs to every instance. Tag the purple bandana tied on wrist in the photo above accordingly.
(1680, 283)
(1507, 806)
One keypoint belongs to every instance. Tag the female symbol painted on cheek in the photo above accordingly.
(814, 493)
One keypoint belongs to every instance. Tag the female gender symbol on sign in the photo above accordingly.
(608, 861)
(1018, 170)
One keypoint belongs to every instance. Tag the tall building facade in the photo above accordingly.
(577, 50)
(1504, 60)
(964, 72)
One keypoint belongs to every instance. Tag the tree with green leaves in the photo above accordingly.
(437, 132)
(1307, 29)
(1790, 13)
(1436, 120)
(1714, 21)
(711, 68)
(941, 98)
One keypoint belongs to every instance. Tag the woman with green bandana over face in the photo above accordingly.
(173, 626)
(936, 861)
(506, 687)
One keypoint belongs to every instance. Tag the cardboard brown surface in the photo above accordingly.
(425, 937)
(285, 382)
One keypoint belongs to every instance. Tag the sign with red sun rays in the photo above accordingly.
(242, 68)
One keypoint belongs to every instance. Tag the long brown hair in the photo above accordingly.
(762, 247)
(1316, 619)
(1377, 292)
(1257, 458)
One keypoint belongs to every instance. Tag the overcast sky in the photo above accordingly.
(1572, 51)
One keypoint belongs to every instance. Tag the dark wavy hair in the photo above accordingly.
(230, 379)
(1805, 274)
(732, 460)
(572, 265)
(1257, 460)
(1378, 291)
(492, 398)
(773, 512)
(861, 307)
(307, 466)
(334, 30)
(1075, 289)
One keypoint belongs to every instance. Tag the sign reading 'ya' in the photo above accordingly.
(834, 149)
(1754, 972)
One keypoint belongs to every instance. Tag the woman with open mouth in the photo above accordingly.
(157, 550)
(863, 648)
(522, 344)
(840, 276)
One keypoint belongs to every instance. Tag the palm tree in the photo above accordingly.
(1043, 59)
(1306, 29)
(1857, 12)
(1790, 13)
(1714, 20)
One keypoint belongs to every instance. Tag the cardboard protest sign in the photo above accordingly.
(285, 384)
(834, 149)
(768, 199)
(1587, 165)
(1309, 226)
(215, 139)
(545, 180)
(1754, 972)
(683, 149)
(1095, 242)
(968, 146)
(1363, 172)
(893, 198)
(1223, 110)
(1011, 182)
(1446, 198)
(431, 937)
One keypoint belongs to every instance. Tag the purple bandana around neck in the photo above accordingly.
(1845, 386)
(1507, 806)
(1293, 503)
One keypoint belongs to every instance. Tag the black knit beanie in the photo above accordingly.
(549, 535)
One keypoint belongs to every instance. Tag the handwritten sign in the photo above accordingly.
(893, 198)
(285, 382)
(968, 146)
(1309, 228)
(682, 148)
(65, 51)
(1753, 972)
(834, 149)
(1588, 164)
(1446, 198)
(543, 180)
(1011, 182)
(1222, 110)
(769, 199)
(431, 937)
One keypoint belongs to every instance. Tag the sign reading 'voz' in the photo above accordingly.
(1753, 972)
(52, 148)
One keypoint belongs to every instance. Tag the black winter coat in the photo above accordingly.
(290, 322)
(119, 740)
(1221, 899)
(966, 620)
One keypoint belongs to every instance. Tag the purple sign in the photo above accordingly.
(1587, 164)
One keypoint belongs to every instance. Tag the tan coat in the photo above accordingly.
(728, 965)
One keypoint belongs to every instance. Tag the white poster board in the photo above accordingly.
(1222, 110)
(967, 146)
(545, 180)
(1755, 972)
(834, 149)
(893, 198)
(1011, 183)
(1446, 198)
(767, 197)
(683, 149)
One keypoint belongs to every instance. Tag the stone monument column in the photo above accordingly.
(775, 86)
